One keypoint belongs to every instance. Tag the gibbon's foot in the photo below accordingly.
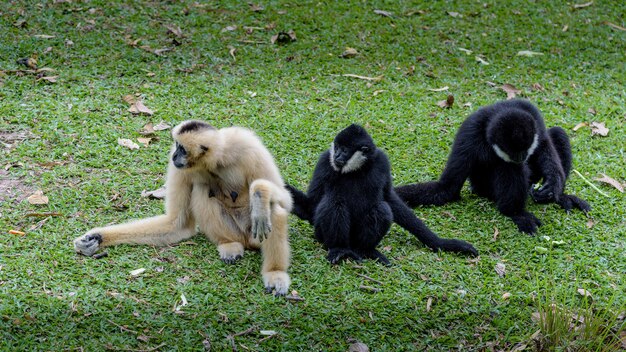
(335, 255)
(376, 255)
(526, 222)
(569, 202)
(88, 244)
(543, 195)
(230, 252)
(277, 282)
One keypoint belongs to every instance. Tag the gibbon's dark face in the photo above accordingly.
(351, 148)
(179, 157)
(513, 136)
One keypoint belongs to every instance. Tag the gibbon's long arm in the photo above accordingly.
(447, 188)
(302, 207)
(404, 216)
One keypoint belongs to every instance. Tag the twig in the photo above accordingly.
(41, 215)
(369, 278)
(121, 327)
(267, 338)
(148, 350)
(231, 338)
(591, 184)
(294, 298)
(369, 288)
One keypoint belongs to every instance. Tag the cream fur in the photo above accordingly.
(233, 160)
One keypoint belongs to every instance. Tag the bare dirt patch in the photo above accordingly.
(12, 188)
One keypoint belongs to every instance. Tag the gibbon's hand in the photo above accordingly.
(526, 222)
(88, 244)
(550, 191)
(261, 225)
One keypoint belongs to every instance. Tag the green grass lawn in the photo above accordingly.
(62, 138)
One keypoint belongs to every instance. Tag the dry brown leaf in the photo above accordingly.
(358, 347)
(383, 13)
(161, 126)
(511, 90)
(584, 293)
(610, 181)
(599, 128)
(147, 129)
(229, 28)
(592, 111)
(139, 108)
(506, 295)
(255, 7)
(565, 28)
(16, 232)
(175, 30)
(144, 141)
(496, 232)
(37, 198)
(537, 86)
(500, 269)
(158, 52)
(127, 143)
(284, 37)
(143, 338)
(137, 272)
(438, 89)
(51, 79)
(590, 223)
(613, 25)
(446, 103)
(580, 125)
(454, 14)
(580, 6)
(232, 51)
(349, 53)
(373, 79)
(68, 42)
(376, 92)
(429, 304)
(158, 193)
(130, 99)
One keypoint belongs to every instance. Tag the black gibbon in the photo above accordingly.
(351, 202)
(504, 149)
(225, 182)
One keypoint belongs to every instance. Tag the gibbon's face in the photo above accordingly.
(514, 137)
(351, 149)
(188, 148)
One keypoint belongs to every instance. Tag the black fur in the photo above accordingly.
(511, 125)
(352, 211)
(192, 126)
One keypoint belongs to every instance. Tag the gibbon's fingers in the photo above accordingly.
(88, 244)
(261, 223)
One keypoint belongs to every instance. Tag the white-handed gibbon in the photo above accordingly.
(225, 183)
(351, 202)
(504, 149)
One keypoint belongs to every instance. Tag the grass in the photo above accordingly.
(61, 138)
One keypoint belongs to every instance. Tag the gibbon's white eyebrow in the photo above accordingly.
(354, 163)
(504, 156)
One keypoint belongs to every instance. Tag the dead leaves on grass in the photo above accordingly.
(611, 181)
(37, 198)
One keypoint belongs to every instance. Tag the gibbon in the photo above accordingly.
(351, 202)
(225, 182)
(504, 149)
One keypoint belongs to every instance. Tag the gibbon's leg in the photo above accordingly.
(269, 216)
(561, 144)
(276, 254)
(373, 226)
(510, 185)
(404, 216)
(177, 224)
(446, 189)
(332, 229)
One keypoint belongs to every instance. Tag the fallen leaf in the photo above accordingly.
(255, 7)
(158, 52)
(358, 347)
(565, 28)
(592, 111)
(496, 232)
(183, 302)
(613, 25)
(438, 89)
(43, 36)
(383, 13)
(446, 103)
(491, 84)
(610, 181)
(127, 143)
(175, 30)
(284, 37)
(37, 198)
(229, 29)
(580, 6)
(481, 60)
(511, 91)
(599, 128)
(161, 126)
(144, 141)
(30, 62)
(139, 108)
(21, 22)
(429, 304)
(537, 86)
(157, 193)
(528, 53)
(147, 129)
(373, 79)
(349, 53)
(579, 126)
(500, 269)
(590, 223)
(232, 52)
(267, 332)
(137, 272)
(506, 295)
(376, 92)
(130, 99)
(454, 14)
(251, 93)
(143, 338)
(68, 42)
(584, 293)
(541, 250)
(150, 74)
(467, 51)
(16, 232)
(467, 105)
(183, 280)
(51, 79)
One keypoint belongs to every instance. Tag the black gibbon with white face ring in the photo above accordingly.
(504, 149)
(351, 202)
(225, 182)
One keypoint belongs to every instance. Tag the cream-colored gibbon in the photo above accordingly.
(225, 183)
